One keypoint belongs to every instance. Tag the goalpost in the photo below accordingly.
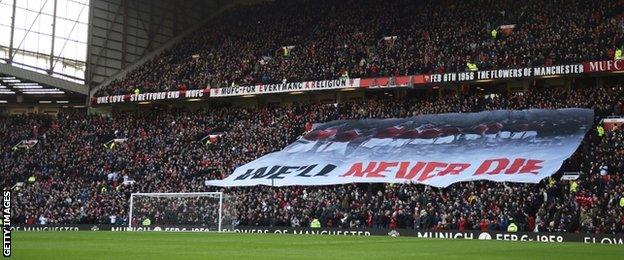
(211, 210)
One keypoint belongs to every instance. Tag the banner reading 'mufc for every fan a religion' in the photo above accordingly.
(438, 150)
(285, 87)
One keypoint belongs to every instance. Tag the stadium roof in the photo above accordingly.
(72, 46)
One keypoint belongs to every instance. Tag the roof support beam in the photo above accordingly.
(43, 79)
(124, 34)
(12, 32)
(53, 39)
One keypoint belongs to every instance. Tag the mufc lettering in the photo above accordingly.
(603, 66)
(194, 93)
(233, 91)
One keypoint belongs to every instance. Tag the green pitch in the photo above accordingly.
(152, 245)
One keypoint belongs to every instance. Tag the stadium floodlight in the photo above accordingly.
(205, 210)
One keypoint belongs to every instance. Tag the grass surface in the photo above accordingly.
(157, 245)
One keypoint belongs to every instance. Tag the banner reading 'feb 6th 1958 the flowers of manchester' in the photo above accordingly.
(439, 150)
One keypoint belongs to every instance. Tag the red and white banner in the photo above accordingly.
(558, 70)
(285, 87)
(385, 82)
(439, 150)
(603, 66)
(610, 123)
(182, 94)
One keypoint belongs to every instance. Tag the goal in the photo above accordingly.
(206, 210)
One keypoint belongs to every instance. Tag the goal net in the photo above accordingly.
(208, 210)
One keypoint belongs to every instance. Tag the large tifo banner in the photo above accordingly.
(439, 150)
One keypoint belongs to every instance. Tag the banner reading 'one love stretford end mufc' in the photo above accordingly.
(438, 150)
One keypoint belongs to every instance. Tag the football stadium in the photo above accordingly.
(312, 129)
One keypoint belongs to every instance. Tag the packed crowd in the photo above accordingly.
(74, 174)
(304, 40)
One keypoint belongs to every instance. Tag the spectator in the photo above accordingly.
(329, 39)
(163, 153)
